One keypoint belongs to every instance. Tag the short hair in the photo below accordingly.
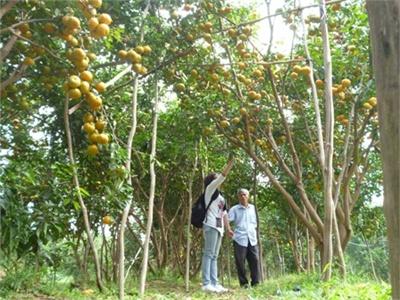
(244, 191)
(210, 177)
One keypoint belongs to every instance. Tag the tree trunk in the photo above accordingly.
(143, 273)
(188, 229)
(260, 248)
(78, 191)
(125, 213)
(329, 146)
(384, 19)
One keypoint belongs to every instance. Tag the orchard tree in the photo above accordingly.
(270, 107)
(385, 33)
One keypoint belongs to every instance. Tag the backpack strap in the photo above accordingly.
(209, 203)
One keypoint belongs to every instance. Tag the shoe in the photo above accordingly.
(220, 288)
(209, 288)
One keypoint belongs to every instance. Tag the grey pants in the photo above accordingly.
(251, 254)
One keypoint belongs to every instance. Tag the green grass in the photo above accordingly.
(170, 287)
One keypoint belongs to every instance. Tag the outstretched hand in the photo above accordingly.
(230, 233)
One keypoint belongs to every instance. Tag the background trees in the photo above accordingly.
(219, 94)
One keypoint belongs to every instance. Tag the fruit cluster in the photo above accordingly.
(135, 57)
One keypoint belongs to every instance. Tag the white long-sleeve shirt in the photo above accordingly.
(216, 209)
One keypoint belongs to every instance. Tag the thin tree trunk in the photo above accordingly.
(329, 146)
(78, 192)
(125, 213)
(384, 21)
(188, 231)
(143, 273)
(260, 247)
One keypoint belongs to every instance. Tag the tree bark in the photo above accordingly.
(143, 273)
(188, 230)
(384, 22)
(329, 146)
(78, 192)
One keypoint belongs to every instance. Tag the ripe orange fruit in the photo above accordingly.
(86, 76)
(366, 105)
(89, 128)
(257, 73)
(134, 57)
(122, 54)
(93, 137)
(74, 93)
(102, 30)
(85, 87)
(100, 125)
(100, 87)
(319, 83)
(139, 49)
(232, 33)
(91, 56)
(346, 82)
(74, 81)
(107, 220)
(78, 54)
(88, 117)
(28, 61)
(102, 138)
(93, 23)
(372, 101)
(96, 3)
(297, 69)
(92, 150)
(105, 19)
(73, 22)
(305, 70)
(73, 42)
(95, 103)
(147, 49)
(253, 95)
(243, 111)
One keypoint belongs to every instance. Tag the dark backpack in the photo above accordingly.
(199, 211)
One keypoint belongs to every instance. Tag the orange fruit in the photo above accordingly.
(74, 93)
(89, 128)
(107, 220)
(93, 23)
(86, 76)
(88, 117)
(102, 138)
(85, 87)
(105, 19)
(102, 30)
(96, 3)
(92, 150)
(74, 81)
(100, 87)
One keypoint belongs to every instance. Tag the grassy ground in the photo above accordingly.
(288, 287)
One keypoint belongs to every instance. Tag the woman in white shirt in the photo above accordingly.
(213, 229)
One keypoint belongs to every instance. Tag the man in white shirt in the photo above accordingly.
(244, 218)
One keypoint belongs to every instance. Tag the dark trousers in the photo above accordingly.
(249, 253)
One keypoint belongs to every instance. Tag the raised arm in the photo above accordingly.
(227, 168)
